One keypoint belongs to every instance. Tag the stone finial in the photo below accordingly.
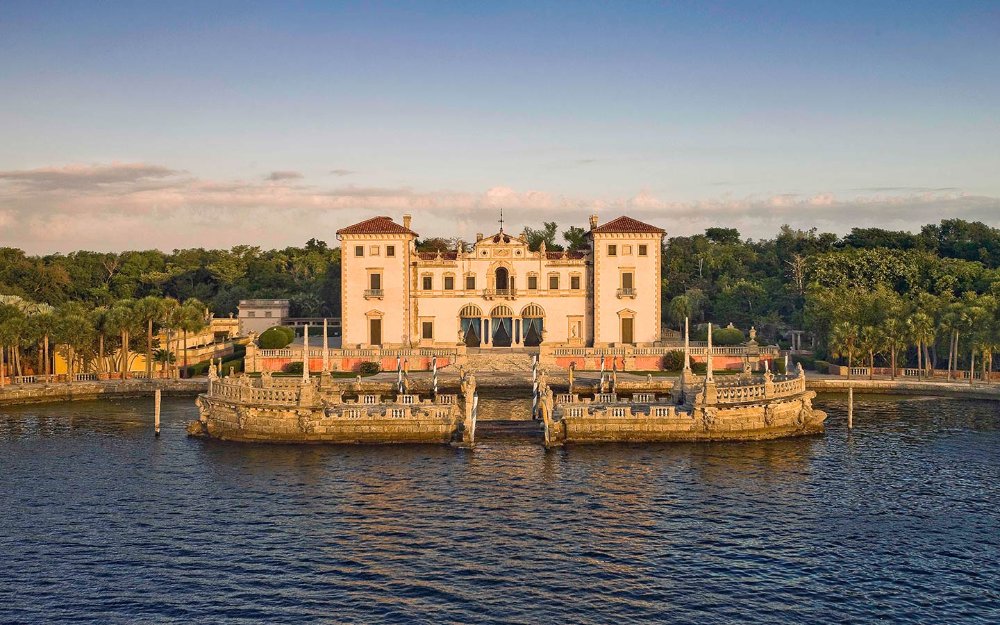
(593, 222)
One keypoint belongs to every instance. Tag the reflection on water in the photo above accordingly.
(897, 521)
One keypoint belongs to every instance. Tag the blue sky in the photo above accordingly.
(211, 124)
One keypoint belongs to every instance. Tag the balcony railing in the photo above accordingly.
(501, 293)
(373, 293)
(626, 292)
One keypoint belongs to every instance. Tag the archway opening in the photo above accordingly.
(502, 279)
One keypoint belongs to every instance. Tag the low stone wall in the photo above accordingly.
(112, 389)
(906, 387)
(621, 421)
(227, 420)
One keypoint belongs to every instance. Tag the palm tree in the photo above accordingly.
(121, 320)
(171, 322)
(44, 322)
(870, 341)
(149, 310)
(895, 334)
(165, 357)
(99, 319)
(75, 333)
(193, 319)
(9, 314)
(921, 328)
(844, 343)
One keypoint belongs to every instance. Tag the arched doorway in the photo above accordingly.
(502, 326)
(502, 279)
(531, 325)
(471, 324)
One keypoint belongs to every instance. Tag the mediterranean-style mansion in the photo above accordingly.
(500, 294)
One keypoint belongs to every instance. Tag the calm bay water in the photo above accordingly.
(900, 521)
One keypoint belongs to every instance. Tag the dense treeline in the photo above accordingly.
(873, 294)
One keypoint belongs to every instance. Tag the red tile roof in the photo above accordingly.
(628, 225)
(376, 225)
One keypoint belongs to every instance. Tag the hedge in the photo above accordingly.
(276, 338)
(673, 361)
(369, 368)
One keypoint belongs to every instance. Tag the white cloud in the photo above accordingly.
(136, 205)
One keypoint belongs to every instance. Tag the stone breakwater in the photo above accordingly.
(90, 390)
(743, 409)
(322, 411)
(959, 390)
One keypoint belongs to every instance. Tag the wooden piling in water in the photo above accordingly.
(156, 412)
(850, 407)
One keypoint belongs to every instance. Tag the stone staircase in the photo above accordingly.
(498, 362)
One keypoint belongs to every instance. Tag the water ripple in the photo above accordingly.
(897, 521)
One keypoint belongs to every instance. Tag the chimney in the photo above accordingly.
(593, 222)
(406, 221)
(479, 237)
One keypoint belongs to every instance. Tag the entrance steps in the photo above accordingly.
(509, 430)
(498, 361)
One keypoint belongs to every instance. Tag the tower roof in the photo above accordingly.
(625, 224)
(376, 225)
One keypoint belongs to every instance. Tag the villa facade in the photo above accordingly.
(500, 294)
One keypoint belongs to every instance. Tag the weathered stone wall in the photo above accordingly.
(286, 424)
(746, 422)
(113, 389)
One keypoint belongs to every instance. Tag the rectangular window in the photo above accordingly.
(359, 250)
(470, 283)
(428, 283)
(375, 281)
(574, 283)
(554, 282)
(612, 250)
(449, 283)
(427, 330)
(390, 250)
(532, 283)
(642, 250)
(627, 280)
(267, 314)
(251, 314)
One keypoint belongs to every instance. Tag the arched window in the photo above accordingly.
(532, 311)
(470, 310)
(501, 311)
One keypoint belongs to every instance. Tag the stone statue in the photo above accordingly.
(461, 336)
(232, 372)
(546, 403)
(747, 369)
(799, 371)
(468, 386)
(253, 337)
(213, 373)
(265, 379)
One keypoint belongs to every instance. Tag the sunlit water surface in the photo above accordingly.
(900, 521)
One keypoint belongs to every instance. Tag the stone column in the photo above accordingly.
(305, 352)
(687, 347)
(708, 362)
(326, 347)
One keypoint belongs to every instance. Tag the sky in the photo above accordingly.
(213, 124)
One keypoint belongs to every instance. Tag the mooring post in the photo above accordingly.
(156, 411)
(850, 407)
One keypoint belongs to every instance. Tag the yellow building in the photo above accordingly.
(500, 294)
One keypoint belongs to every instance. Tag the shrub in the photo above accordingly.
(673, 361)
(235, 363)
(821, 366)
(699, 368)
(727, 336)
(779, 365)
(293, 367)
(369, 368)
(276, 338)
(808, 362)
